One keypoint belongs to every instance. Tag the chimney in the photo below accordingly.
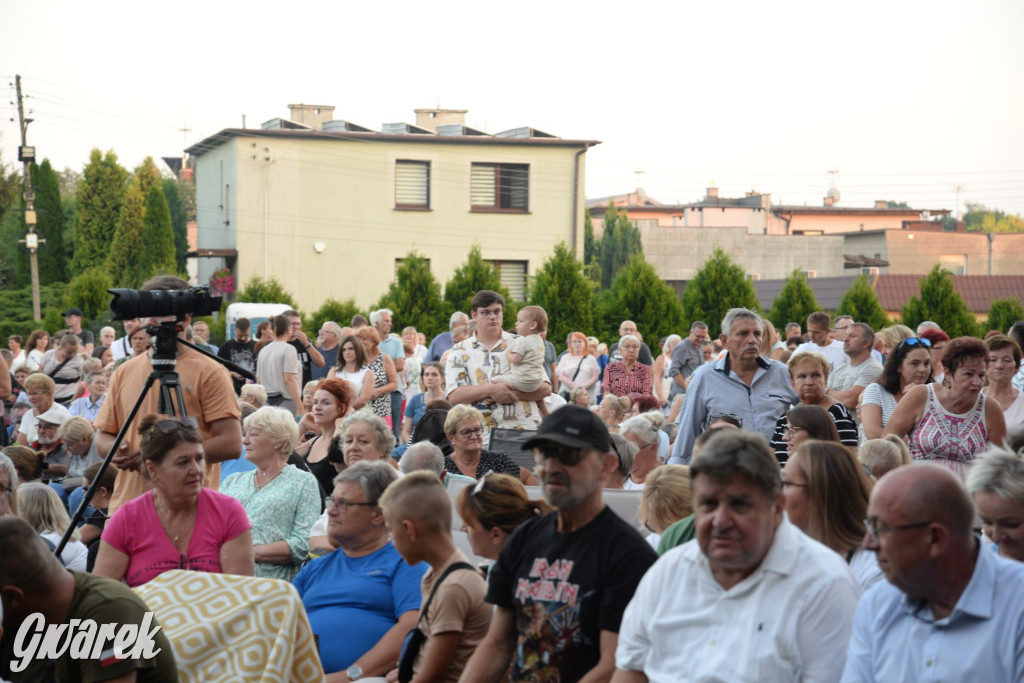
(712, 193)
(312, 115)
(881, 204)
(432, 118)
(830, 201)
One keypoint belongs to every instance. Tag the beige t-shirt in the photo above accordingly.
(458, 606)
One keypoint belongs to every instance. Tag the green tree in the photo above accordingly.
(179, 221)
(893, 204)
(101, 192)
(639, 294)
(982, 219)
(1003, 313)
(10, 186)
(861, 303)
(340, 312)
(719, 285)
(12, 252)
(126, 264)
(564, 292)
(794, 303)
(265, 291)
(619, 243)
(472, 276)
(940, 302)
(157, 235)
(50, 225)
(415, 297)
(88, 291)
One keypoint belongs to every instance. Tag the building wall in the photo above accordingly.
(912, 252)
(338, 197)
(678, 253)
(870, 244)
(831, 223)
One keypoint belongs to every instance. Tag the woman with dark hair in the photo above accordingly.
(352, 368)
(38, 345)
(178, 524)
(909, 365)
(492, 510)
(827, 493)
(804, 423)
(952, 429)
(1003, 362)
(939, 340)
(432, 385)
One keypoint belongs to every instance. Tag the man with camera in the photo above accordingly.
(208, 393)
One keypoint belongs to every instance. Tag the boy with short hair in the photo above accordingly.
(418, 513)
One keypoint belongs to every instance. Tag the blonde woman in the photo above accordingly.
(665, 500)
(40, 506)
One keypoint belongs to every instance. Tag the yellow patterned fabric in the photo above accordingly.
(234, 628)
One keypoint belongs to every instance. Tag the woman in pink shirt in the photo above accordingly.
(178, 524)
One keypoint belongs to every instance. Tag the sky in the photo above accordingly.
(906, 100)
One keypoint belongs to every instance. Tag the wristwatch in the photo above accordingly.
(354, 672)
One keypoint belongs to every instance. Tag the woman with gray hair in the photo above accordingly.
(647, 438)
(628, 376)
(996, 483)
(662, 364)
(625, 451)
(282, 501)
(366, 437)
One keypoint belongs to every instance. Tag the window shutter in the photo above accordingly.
(412, 183)
(482, 185)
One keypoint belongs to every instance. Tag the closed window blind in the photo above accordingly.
(412, 184)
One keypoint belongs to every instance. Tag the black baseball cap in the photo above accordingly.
(572, 426)
(72, 311)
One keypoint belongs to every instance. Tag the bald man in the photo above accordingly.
(952, 609)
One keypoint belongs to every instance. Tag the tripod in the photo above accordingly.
(171, 402)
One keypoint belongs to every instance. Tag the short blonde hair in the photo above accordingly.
(278, 424)
(884, 455)
(420, 497)
(257, 392)
(41, 507)
(537, 315)
(459, 413)
(76, 428)
(38, 381)
(798, 358)
(666, 497)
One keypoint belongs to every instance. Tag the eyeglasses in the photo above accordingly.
(875, 530)
(791, 432)
(569, 457)
(793, 483)
(478, 489)
(467, 433)
(489, 313)
(45, 426)
(171, 425)
(330, 502)
(914, 341)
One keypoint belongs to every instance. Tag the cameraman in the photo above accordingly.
(209, 397)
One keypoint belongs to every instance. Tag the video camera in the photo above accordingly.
(157, 303)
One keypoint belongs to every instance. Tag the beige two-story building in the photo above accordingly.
(330, 207)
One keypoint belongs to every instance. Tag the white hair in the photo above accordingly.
(457, 318)
(332, 326)
(733, 314)
(422, 455)
(375, 315)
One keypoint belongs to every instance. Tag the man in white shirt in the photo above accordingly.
(753, 599)
(847, 383)
(819, 327)
(122, 346)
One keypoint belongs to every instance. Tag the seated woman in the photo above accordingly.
(282, 502)
(665, 500)
(612, 411)
(464, 428)
(178, 524)
(806, 423)
(827, 493)
(908, 365)
(331, 402)
(363, 599)
(625, 450)
(882, 456)
(492, 510)
(40, 506)
(647, 438)
(996, 483)
(629, 375)
(432, 384)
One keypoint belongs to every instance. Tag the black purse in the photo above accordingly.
(414, 641)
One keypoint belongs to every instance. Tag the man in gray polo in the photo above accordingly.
(687, 357)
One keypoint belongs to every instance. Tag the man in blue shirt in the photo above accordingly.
(951, 610)
(89, 406)
(755, 390)
(444, 341)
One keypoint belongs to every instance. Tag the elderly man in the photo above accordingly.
(201, 337)
(563, 579)
(73, 320)
(629, 327)
(35, 586)
(754, 599)
(424, 455)
(952, 609)
(107, 336)
(48, 443)
(847, 382)
(89, 406)
(443, 341)
(687, 357)
(122, 346)
(328, 344)
(819, 328)
(754, 390)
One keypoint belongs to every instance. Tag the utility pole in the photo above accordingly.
(27, 155)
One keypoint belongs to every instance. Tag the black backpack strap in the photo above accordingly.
(437, 584)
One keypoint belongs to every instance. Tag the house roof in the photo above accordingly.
(828, 291)
(853, 210)
(218, 139)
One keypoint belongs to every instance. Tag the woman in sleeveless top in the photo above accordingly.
(352, 368)
(385, 378)
(951, 426)
(330, 404)
(662, 364)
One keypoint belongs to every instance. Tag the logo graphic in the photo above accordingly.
(84, 639)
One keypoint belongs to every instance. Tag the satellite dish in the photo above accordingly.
(833, 194)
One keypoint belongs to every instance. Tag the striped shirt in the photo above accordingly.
(622, 382)
(839, 413)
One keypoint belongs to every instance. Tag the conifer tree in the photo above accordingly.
(941, 303)
(794, 303)
(564, 292)
(861, 303)
(719, 285)
(101, 192)
(415, 297)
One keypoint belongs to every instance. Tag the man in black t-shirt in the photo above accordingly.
(308, 353)
(239, 351)
(563, 580)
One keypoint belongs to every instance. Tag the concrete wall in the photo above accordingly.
(340, 194)
(831, 223)
(216, 184)
(913, 252)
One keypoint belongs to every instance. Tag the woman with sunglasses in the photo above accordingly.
(178, 524)
(954, 427)
(492, 509)
(464, 428)
(906, 367)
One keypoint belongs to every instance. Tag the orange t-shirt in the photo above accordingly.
(199, 377)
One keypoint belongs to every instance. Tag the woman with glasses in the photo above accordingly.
(282, 501)
(909, 365)
(178, 524)
(627, 376)
(826, 492)
(492, 510)
(953, 427)
(464, 428)
(809, 373)
(1003, 363)
(40, 390)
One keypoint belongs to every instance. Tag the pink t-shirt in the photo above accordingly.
(136, 531)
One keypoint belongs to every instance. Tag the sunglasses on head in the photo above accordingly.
(171, 425)
(914, 341)
(478, 489)
(568, 456)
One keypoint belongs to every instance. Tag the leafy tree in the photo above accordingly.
(1003, 313)
(940, 302)
(147, 176)
(265, 291)
(179, 221)
(415, 297)
(340, 312)
(468, 279)
(639, 294)
(719, 285)
(982, 219)
(50, 225)
(861, 303)
(794, 303)
(561, 289)
(157, 235)
(101, 192)
(12, 226)
(10, 186)
(88, 291)
(620, 242)
(892, 204)
(126, 265)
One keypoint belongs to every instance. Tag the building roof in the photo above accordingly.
(854, 210)
(218, 139)
(828, 291)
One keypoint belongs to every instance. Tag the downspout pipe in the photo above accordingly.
(576, 193)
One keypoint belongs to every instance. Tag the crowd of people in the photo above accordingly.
(838, 506)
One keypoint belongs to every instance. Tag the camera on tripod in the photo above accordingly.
(161, 303)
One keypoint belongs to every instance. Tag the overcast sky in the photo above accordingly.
(907, 100)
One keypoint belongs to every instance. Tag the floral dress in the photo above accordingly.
(949, 439)
(382, 404)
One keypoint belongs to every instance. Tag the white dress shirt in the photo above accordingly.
(788, 621)
(833, 353)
